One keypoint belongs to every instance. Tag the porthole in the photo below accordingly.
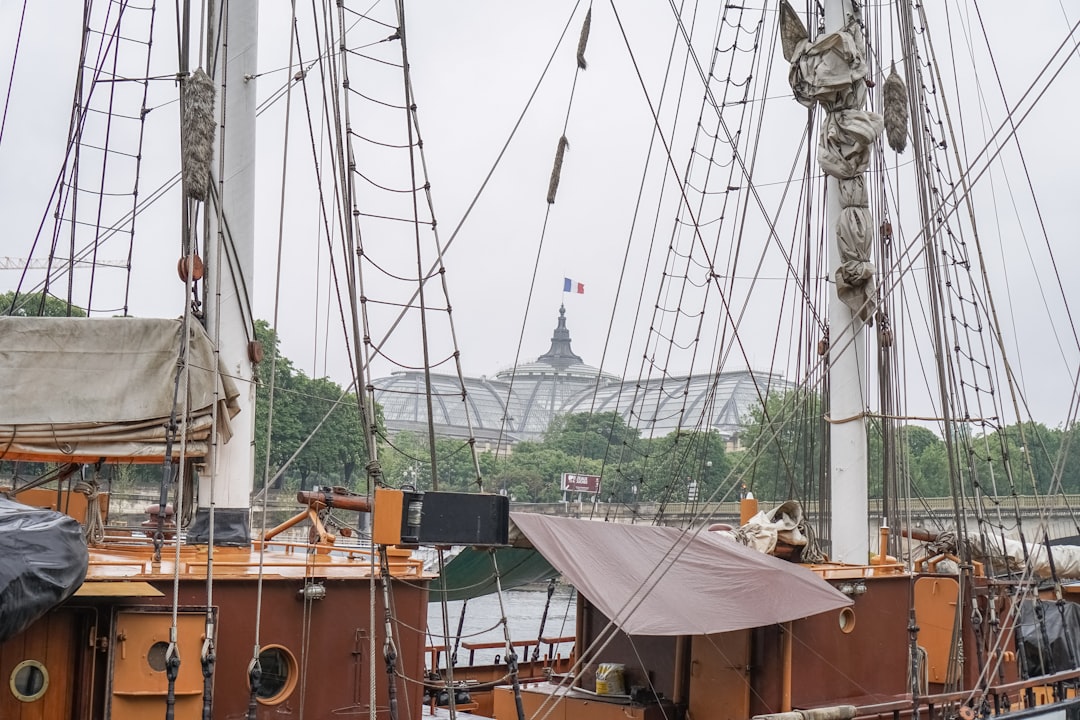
(847, 620)
(29, 680)
(156, 656)
(278, 675)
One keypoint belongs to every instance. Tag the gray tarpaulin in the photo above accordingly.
(661, 581)
(79, 389)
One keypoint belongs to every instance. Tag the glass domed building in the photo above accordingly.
(519, 403)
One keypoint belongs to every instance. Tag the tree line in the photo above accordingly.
(784, 455)
(780, 453)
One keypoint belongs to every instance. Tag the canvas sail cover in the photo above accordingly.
(664, 581)
(81, 389)
(1009, 555)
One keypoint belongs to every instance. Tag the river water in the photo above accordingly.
(524, 609)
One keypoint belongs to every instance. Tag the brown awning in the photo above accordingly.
(666, 581)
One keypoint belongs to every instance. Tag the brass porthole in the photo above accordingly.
(29, 681)
(847, 620)
(279, 675)
(157, 656)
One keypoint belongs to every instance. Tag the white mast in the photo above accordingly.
(847, 430)
(831, 72)
(230, 261)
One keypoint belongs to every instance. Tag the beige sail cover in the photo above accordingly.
(652, 580)
(765, 529)
(79, 389)
(1009, 554)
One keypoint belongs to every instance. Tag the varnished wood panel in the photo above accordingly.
(51, 641)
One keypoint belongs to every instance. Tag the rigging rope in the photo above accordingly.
(511, 656)
(172, 652)
(390, 652)
(255, 664)
(547, 216)
(451, 659)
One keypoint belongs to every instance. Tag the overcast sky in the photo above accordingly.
(475, 64)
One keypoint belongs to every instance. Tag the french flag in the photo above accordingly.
(569, 286)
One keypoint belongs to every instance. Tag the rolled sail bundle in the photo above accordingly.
(831, 72)
(45, 562)
(198, 133)
(1007, 554)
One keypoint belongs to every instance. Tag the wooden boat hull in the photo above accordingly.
(100, 655)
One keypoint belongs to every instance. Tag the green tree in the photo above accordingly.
(1068, 461)
(1023, 457)
(930, 476)
(680, 466)
(597, 436)
(407, 461)
(782, 441)
(923, 463)
(37, 304)
(533, 472)
(334, 451)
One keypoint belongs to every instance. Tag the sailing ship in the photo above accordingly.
(978, 620)
(191, 617)
(205, 609)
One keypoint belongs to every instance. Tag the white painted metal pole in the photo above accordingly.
(847, 436)
(228, 304)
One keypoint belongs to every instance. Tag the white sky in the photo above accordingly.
(474, 64)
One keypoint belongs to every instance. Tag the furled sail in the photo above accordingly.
(782, 524)
(81, 389)
(832, 72)
(1009, 555)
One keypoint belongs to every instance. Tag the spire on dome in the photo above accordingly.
(560, 356)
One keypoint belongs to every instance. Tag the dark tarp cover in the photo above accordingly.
(1061, 626)
(470, 573)
(44, 561)
(231, 527)
(665, 581)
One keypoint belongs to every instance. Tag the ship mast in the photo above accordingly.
(830, 71)
(227, 479)
(848, 464)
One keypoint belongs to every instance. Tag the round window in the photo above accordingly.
(29, 680)
(278, 675)
(156, 655)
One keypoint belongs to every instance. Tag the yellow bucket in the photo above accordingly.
(610, 679)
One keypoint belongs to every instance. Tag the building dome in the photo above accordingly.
(489, 406)
(519, 403)
(553, 379)
(719, 402)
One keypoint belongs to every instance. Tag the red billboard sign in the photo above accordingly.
(573, 482)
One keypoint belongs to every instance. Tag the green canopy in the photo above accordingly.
(471, 572)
